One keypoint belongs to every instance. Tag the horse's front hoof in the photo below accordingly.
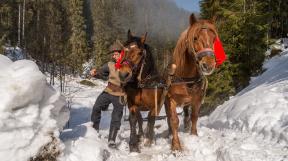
(134, 148)
(148, 142)
(176, 148)
(186, 129)
(194, 132)
(140, 138)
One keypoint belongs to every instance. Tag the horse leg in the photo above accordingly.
(194, 117)
(186, 121)
(133, 144)
(174, 124)
(150, 129)
(168, 117)
(140, 125)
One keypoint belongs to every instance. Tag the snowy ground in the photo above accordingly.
(251, 126)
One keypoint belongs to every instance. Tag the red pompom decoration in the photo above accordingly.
(219, 52)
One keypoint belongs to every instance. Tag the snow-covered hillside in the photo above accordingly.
(262, 107)
(31, 112)
(251, 126)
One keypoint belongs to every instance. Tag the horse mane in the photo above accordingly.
(180, 52)
(150, 66)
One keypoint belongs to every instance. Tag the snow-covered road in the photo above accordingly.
(251, 126)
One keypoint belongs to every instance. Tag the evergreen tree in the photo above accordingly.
(108, 26)
(242, 27)
(8, 23)
(78, 39)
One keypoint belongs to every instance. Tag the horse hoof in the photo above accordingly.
(186, 129)
(148, 142)
(176, 148)
(140, 138)
(194, 133)
(134, 148)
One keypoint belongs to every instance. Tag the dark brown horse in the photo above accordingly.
(139, 71)
(194, 57)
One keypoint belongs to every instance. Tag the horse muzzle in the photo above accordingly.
(206, 59)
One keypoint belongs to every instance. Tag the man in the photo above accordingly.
(112, 94)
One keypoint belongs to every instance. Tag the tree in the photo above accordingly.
(78, 39)
(239, 24)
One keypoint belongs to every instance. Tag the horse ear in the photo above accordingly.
(129, 35)
(193, 19)
(143, 38)
(213, 20)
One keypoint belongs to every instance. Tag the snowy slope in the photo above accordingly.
(262, 107)
(31, 112)
(251, 126)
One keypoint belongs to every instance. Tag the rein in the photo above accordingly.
(193, 80)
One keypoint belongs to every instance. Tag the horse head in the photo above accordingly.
(200, 39)
(135, 53)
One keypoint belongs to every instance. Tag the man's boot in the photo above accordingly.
(112, 137)
(96, 126)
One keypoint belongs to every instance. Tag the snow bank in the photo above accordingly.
(31, 112)
(262, 107)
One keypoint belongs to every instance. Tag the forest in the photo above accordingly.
(60, 36)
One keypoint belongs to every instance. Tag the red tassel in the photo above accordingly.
(118, 61)
(219, 52)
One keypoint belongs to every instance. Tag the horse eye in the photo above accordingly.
(195, 38)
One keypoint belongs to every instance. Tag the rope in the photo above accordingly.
(156, 102)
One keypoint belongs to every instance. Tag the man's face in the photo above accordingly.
(116, 55)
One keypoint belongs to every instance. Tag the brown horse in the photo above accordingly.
(194, 57)
(139, 71)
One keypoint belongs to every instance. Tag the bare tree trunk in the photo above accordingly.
(23, 27)
(244, 6)
(64, 89)
(19, 25)
(61, 79)
(53, 66)
(51, 75)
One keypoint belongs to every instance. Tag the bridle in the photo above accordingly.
(198, 55)
(207, 51)
(135, 67)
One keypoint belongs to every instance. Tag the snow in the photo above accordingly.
(262, 107)
(31, 112)
(251, 126)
